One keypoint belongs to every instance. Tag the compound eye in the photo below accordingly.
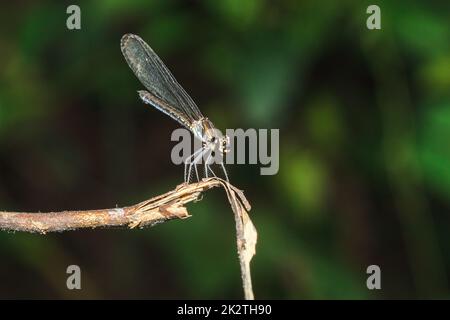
(213, 139)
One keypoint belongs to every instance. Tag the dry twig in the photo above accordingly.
(168, 206)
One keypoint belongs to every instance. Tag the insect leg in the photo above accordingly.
(194, 163)
(186, 163)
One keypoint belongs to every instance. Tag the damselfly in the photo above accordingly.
(166, 94)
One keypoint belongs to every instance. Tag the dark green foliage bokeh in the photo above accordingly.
(364, 119)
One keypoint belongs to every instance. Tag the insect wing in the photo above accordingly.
(159, 81)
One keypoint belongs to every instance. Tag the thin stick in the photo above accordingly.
(156, 210)
(162, 208)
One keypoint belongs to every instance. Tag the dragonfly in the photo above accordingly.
(168, 96)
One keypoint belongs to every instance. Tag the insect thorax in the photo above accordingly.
(211, 137)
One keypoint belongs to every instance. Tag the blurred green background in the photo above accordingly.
(364, 119)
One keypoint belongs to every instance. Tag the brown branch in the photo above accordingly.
(168, 206)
